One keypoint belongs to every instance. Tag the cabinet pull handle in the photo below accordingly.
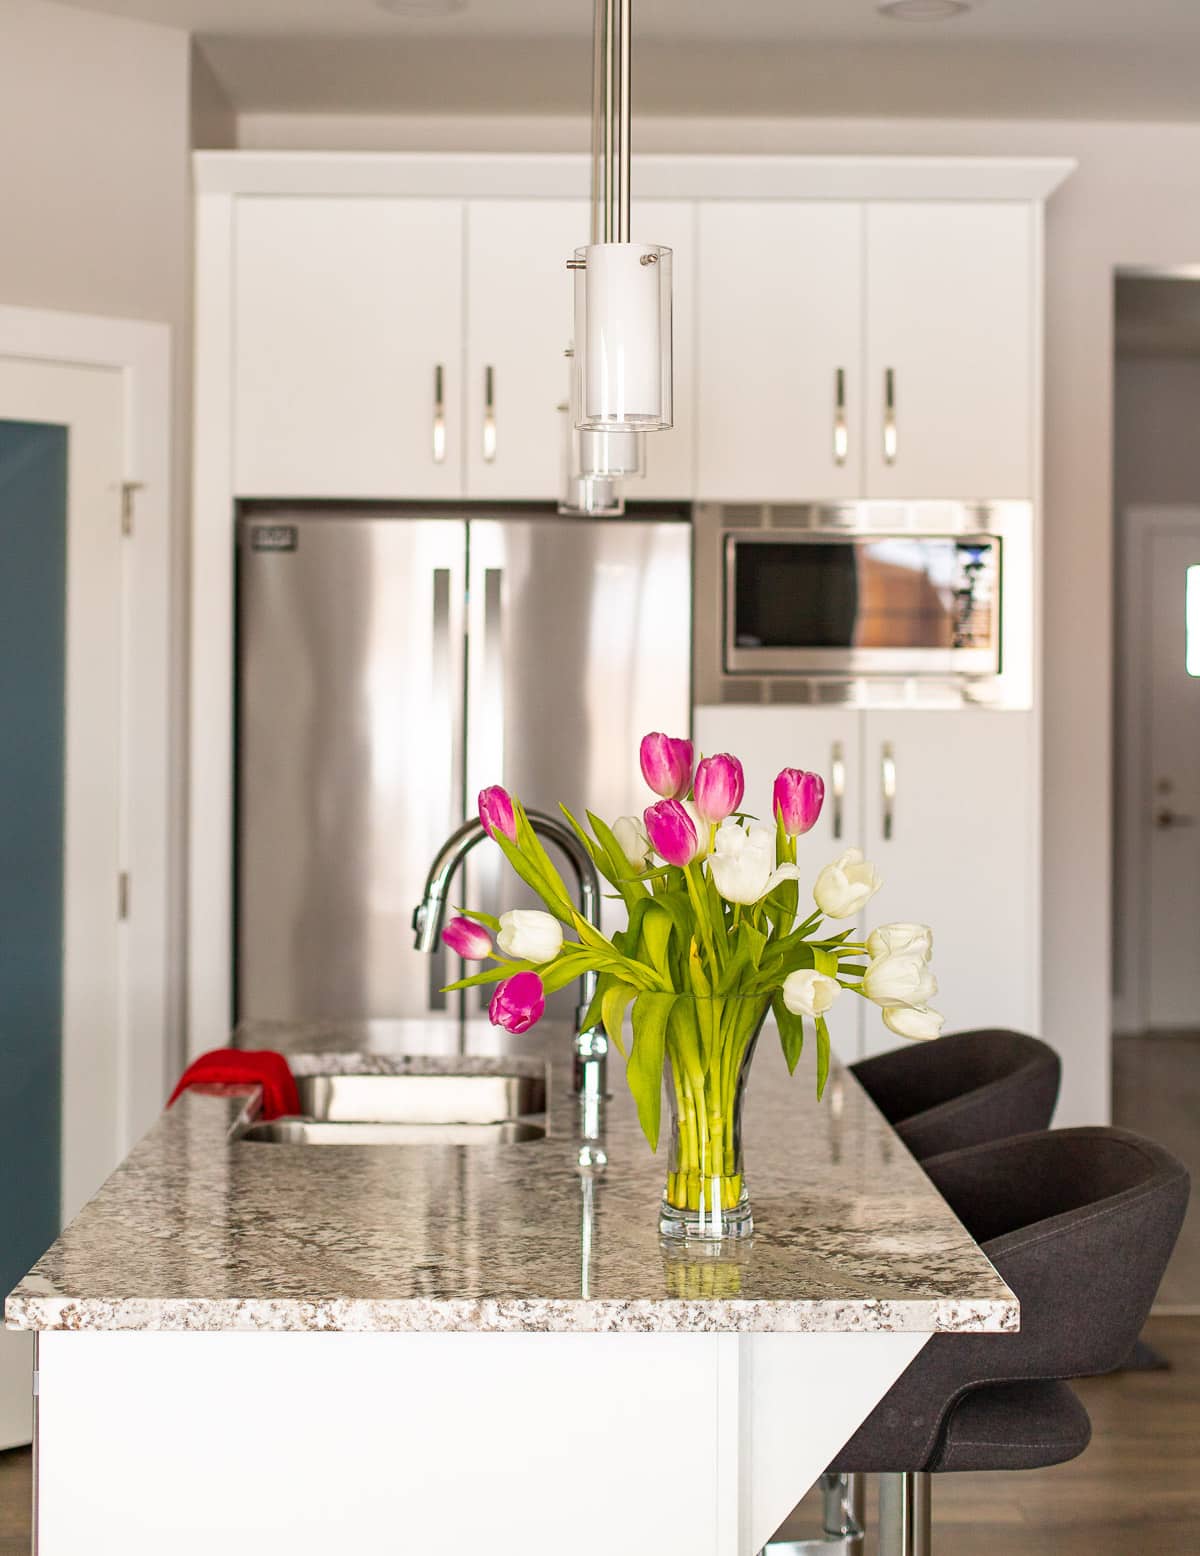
(841, 432)
(837, 782)
(887, 775)
(439, 415)
(489, 414)
(891, 438)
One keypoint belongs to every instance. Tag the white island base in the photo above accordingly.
(423, 1444)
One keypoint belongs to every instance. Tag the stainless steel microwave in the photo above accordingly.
(923, 602)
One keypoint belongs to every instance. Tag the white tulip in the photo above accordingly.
(630, 832)
(920, 1025)
(846, 885)
(900, 979)
(529, 935)
(742, 862)
(889, 939)
(809, 993)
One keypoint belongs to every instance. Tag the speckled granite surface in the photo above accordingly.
(198, 1230)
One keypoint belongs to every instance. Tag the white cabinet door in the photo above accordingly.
(671, 456)
(825, 741)
(780, 318)
(960, 852)
(520, 320)
(348, 320)
(950, 344)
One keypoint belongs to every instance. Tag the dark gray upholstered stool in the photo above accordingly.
(1080, 1223)
(963, 1089)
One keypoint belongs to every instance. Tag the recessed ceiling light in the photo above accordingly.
(922, 10)
(420, 8)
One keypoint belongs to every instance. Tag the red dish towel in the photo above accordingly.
(245, 1067)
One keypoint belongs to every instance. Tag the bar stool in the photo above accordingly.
(1080, 1223)
(963, 1089)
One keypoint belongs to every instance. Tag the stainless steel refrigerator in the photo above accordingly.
(391, 665)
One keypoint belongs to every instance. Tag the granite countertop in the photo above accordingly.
(198, 1230)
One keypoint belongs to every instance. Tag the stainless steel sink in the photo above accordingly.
(434, 1105)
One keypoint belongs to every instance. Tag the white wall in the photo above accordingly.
(95, 214)
(1132, 202)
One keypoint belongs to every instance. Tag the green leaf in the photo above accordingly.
(656, 935)
(822, 1055)
(613, 1007)
(486, 919)
(825, 962)
(644, 1070)
(791, 1031)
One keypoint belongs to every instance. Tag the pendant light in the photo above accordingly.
(622, 289)
(595, 464)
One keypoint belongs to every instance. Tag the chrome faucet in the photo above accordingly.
(591, 1047)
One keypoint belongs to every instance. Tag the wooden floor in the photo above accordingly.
(1156, 1091)
(1135, 1492)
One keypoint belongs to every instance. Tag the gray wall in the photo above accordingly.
(1156, 423)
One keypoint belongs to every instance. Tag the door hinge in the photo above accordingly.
(123, 896)
(128, 488)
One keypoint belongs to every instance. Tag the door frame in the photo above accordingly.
(141, 352)
(1139, 526)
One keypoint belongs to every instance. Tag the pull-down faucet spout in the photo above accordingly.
(591, 1047)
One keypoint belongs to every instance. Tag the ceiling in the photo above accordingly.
(1035, 58)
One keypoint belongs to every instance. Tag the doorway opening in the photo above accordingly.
(1156, 812)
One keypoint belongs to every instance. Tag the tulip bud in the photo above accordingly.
(809, 993)
(900, 979)
(900, 939)
(846, 885)
(518, 1002)
(719, 787)
(529, 935)
(672, 832)
(920, 1025)
(667, 765)
(630, 833)
(798, 799)
(467, 939)
(496, 812)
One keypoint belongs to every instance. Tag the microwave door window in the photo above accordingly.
(791, 595)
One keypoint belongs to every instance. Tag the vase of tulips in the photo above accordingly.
(716, 940)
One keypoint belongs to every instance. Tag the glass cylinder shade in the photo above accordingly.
(623, 337)
(584, 492)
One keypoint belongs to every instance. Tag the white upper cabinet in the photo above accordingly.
(348, 334)
(950, 333)
(671, 456)
(780, 344)
(520, 320)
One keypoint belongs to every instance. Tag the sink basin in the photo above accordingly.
(310, 1131)
(434, 1105)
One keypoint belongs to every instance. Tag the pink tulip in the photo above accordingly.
(518, 1002)
(496, 812)
(720, 785)
(672, 833)
(467, 939)
(667, 765)
(798, 800)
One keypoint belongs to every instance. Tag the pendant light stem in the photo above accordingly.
(612, 72)
(625, 67)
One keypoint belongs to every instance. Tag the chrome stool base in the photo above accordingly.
(843, 1520)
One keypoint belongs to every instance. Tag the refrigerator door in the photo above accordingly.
(350, 741)
(579, 643)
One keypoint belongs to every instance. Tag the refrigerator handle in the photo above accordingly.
(442, 668)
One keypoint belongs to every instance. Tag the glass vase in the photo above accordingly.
(710, 1047)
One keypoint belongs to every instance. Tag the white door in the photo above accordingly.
(671, 456)
(348, 338)
(950, 349)
(1170, 808)
(779, 347)
(951, 823)
(520, 320)
(825, 741)
(61, 995)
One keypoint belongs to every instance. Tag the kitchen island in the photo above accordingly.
(439, 1348)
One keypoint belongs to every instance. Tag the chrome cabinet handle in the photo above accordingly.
(837, 782)
(489, 414)
(439, 415)
(891, 438)
(887, 775)
(1167, 818)
(841, 432)
(440, 672)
